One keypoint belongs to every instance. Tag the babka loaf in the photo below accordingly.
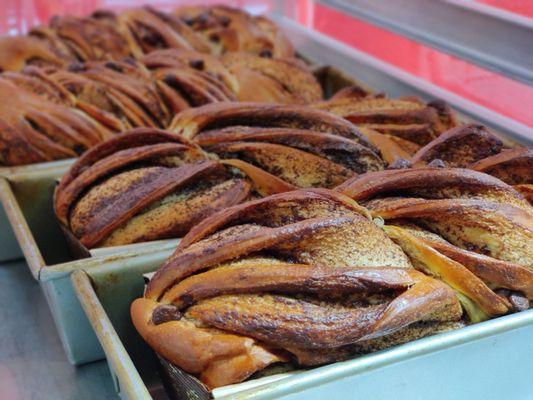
(37, 128)
(149, 184)
(117, 96)
(406, 119)
(301, 145)
(105, 36)
(303, 277)
(468, 228)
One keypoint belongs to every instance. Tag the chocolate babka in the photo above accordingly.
(303, 277)
(467, 228)
(301, 145)
(107, 36)
(148, 184)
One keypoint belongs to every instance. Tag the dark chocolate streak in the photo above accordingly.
(67, 196)
(152, 188)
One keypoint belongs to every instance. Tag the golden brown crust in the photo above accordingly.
(526, 190)
(487, 225)
(105, 35)
(513, 166)
(406, 118)
(269, 80)
(117, 153)
(496, 273)
(296, 272)
(202, 350)
(454, 274)
(231, 29)
(306, 208)
(460, 146)
(113, 91)
(390, 147)
(304, 158)
(152, 187)
(502, 231)
(35, 129)
(215, 116)
(432, 183)
(89, 38)
(150, 184)
(17, 52)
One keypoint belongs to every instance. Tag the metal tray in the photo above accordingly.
(79, 341)
(492, 359)
(27, 199)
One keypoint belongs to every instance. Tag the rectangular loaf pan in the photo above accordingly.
(78, 339)
(491, 359)
(407, 370)
(27, 200)
(9, 249)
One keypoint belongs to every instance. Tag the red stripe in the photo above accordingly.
(520, 7)
(496, 92)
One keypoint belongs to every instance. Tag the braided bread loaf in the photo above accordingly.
(149, 184)
(302, 276)
(408, 120)
(34, 129)
(108, 36)
(468, 228)
(303, 146)
(116, 96)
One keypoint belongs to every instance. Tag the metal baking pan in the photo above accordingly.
(440, 367)
(9, 249)
(491, 359)
(77, 336)
(27, 198)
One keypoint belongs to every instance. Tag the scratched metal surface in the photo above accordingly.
(33, 364)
